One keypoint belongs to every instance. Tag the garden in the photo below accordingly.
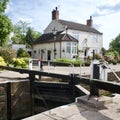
(9, 57)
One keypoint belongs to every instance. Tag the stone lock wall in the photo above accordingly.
(20, 99)
(2, 101)
(15, 100)
(112, 77)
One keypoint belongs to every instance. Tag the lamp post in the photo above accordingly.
(54, 33)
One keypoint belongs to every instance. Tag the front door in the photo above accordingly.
(48, 55)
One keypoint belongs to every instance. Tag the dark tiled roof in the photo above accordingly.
(77, 26)
(45, 38)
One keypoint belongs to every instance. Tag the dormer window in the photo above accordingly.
(95, 39)
(75, 35)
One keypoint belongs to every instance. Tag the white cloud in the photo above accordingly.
(107, 8)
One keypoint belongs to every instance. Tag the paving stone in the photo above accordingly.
(39, 117)
(82, 111)
(65, 111)
(94, 101)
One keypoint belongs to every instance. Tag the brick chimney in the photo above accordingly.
(90, 22)
(55, 14)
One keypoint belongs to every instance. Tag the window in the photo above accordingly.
(75, 35)
(39, 51)
(95, 39)
(71, 47)
(68, 47)
(74, 48)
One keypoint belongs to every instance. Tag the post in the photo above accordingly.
(39, 65)
(30, 64)
(32, 79)
(72, 83)
(95, 70)
(8, 104)
(54, 35)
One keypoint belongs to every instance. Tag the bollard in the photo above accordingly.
(104, 73)
(30, 64)
(40, 65)
(95, 73)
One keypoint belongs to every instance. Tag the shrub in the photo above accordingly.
(87, 63)
(8, 54)
(114, 62)
(22, 53)
(63, 60)
(111, 56)
(98, 56)
(66, 61)
(26, 60)
(2, 62)
(19, 63)
(78, 62)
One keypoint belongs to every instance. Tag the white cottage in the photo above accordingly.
(66, 39)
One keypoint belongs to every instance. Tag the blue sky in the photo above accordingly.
(105, 13)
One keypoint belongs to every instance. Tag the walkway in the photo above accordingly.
(103, 108)
(52, 69)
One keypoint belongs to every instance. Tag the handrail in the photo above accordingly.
(48, 63)
(107, 65)
(110, 86)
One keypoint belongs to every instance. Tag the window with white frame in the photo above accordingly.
(75, 35)
(68, 47)
(71, 47)
(95, 38)
(74, 48)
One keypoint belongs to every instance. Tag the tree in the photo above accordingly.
(3, 5)
(115, 44)
(5, 24)
(20, 30)
(22, 53)
(31, 36)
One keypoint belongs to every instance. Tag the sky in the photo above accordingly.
(105, 14)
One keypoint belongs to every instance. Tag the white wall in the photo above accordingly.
(52, 25)
(18, 46)
(90, 40)
(50, 46)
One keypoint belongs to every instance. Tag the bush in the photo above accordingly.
(78, 62)
(22, 53)
(8, 54)
(87, 63)
(2, 62)
(114, 62)
(112, 56)
(19, 63)
(66, 61)
(26, 60)
(98, 56)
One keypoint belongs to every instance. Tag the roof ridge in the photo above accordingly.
(78, 26)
